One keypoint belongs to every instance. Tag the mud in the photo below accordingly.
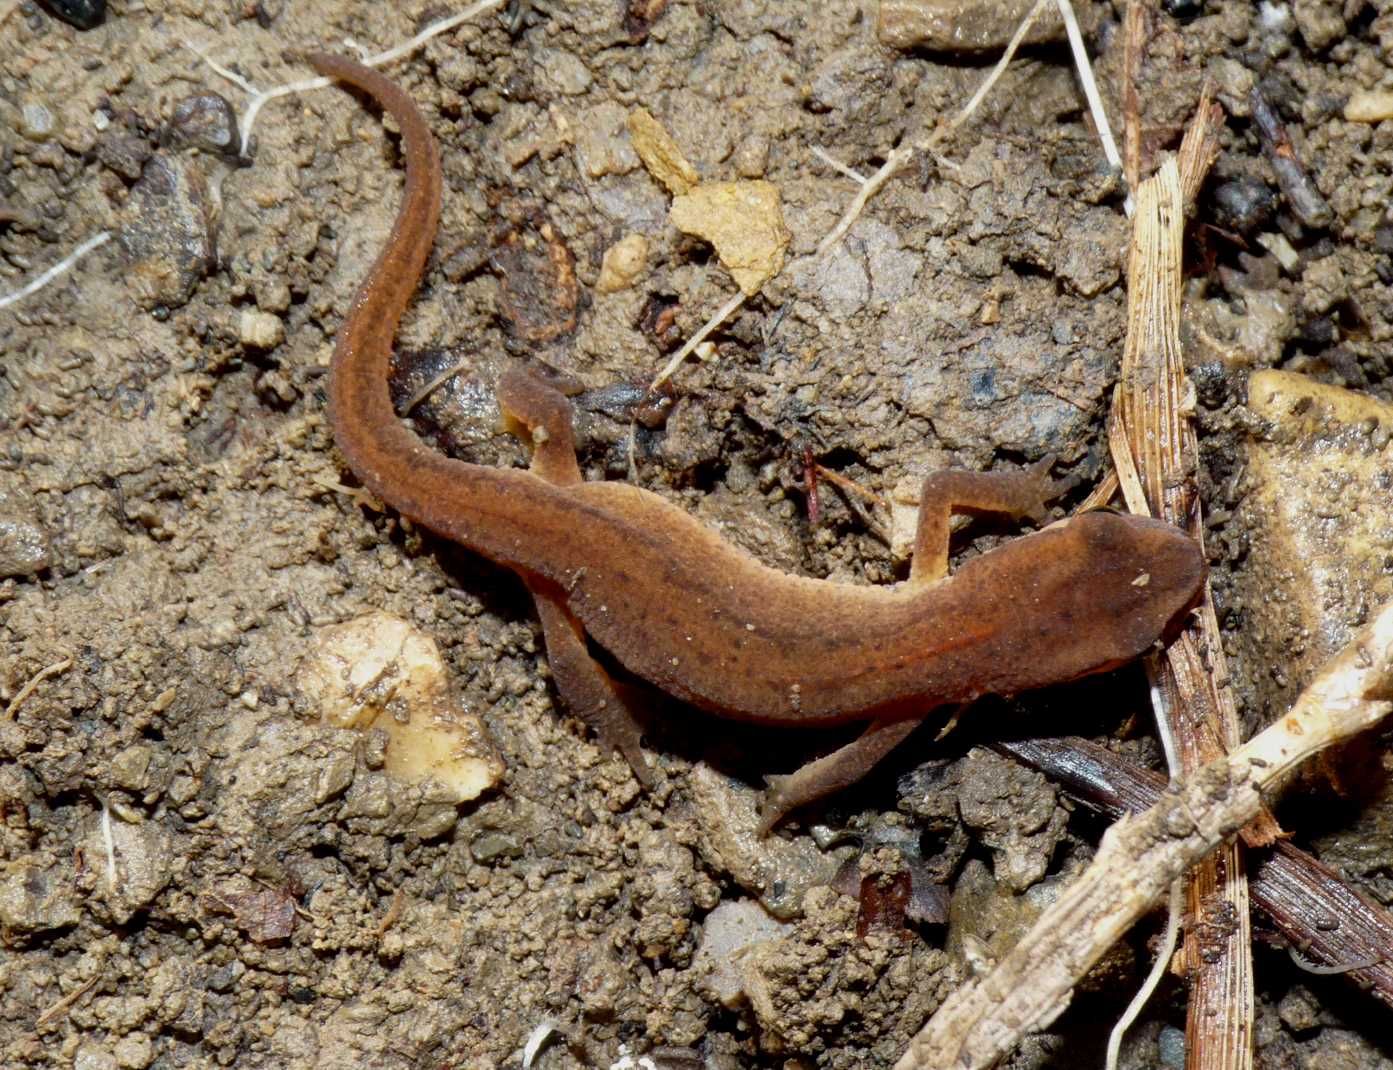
(198, 872)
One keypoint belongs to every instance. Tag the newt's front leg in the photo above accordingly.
(543, 416)
(1016, 493)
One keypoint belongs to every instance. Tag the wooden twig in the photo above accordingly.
(1140, 856)
(1133, 43)
(1316, 911)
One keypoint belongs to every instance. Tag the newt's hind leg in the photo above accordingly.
(588, 691)
(832, 772)
(541, 414)
(1014, 492)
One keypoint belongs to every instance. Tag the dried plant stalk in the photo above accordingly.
(1140, 856)
(1151, 433)
(1319, 915)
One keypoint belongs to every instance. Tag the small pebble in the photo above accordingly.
(968, 25)
(168, 230)
(24, 544)
(1183, 9)
(36, 121)
(1171, 1046)
(623, 263)
(84, 14)
(205, 121)
(1372, 106)
(1243, 205)
(260, 330)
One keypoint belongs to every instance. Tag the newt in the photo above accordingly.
(699, 619)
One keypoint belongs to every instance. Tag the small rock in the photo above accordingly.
(726, 934)
(94, 1057)
(134, 1052)
(743, 221)
(660, 154)
(36, 121)
(1320, 531)
(35, 897)
(205, 121)
(132, 870)
(1235, 83)
(1170, 1047)
(24, 544)
(1255, 334)
(378, 672)
(777, 870)
(130, 769)
(623, 263)
(488, 846)
(84, 14)
(1244, 204)
(260, 330)
(168, 229)
(602, 145)
(563, 71)
(1320, 22)
(1370, 106)
(1299, 1010)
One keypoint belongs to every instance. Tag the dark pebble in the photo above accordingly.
(1243, 205)
(84, 14)
(205, 121)
(1183, 9)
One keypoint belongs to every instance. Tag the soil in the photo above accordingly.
(198, 872)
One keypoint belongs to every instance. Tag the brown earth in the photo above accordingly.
(197, 872)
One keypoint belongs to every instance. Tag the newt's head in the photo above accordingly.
(1140, 577)
(1082, 596)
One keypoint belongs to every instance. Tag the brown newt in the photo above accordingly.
(689, 613)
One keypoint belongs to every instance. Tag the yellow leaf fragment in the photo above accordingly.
(743, 221)
(660, 153)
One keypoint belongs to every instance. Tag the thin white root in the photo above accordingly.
(109, 842)
(1090, 92)
(56, 270)
(897, 158)
(544, 1031)
(901, 155)
(261, 98)
(836, 165)
(1159, 965)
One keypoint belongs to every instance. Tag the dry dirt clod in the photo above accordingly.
(24, 542)
(969, 25)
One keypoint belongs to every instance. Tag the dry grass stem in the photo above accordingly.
(1140, 856)
(32, 685)
(1150, 433)
(69, 1001)
(1299, 895)
(1134, 40)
